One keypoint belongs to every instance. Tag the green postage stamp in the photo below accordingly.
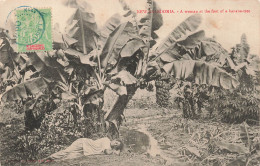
(34, 29)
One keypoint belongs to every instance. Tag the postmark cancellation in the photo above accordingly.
(33, 29)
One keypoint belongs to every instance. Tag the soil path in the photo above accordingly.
(158, 123)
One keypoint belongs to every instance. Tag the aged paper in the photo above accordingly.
(175, 81)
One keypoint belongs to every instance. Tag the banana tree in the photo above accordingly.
(172, 58)
(64, 73)
(82, 64)
(86, 60)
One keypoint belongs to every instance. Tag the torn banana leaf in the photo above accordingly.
(84, 59)
(131, 47)
(202, 73)
(48, 67)
(82, 26)
(187, 26)
(111, 24)
(117, 39)
(61, 41)
(25, 89)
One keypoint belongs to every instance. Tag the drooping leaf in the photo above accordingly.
(7, 54)
(195, 47)
(191, 41)
(84, 59)
(10, 58)
(48, 67)
(171, 54)
(25, 89)
(4, 51)
(117, 109)
(131, 47)
(202, 72)
(82, 26)
(187, 26)
(213, 51)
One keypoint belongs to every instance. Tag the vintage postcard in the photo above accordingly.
(130, 82)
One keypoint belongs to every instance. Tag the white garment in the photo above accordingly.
(83, 146)
(91, 147)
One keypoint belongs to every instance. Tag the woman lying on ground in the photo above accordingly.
(85, 147)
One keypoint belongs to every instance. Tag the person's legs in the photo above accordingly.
(73, 151)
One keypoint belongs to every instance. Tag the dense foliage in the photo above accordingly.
(231, 106)
(62, 91)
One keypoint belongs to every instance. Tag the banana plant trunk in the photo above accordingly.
(116, 114)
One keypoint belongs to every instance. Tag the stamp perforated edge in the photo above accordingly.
(16, 45)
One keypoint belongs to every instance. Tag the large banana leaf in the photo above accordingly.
(48, 67)
(7, 55)
(179, 48)
(9, 58)
(117, 39)
(151, 22)
(61, 41)
(25, 89)
(146, 23)
(157, 19)
(111, 24)
(82, 26)
(84, 59)
(187, 26)
(202, 73)
(212, 49)
(131, 47)
(193, 40)
(4, 51)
